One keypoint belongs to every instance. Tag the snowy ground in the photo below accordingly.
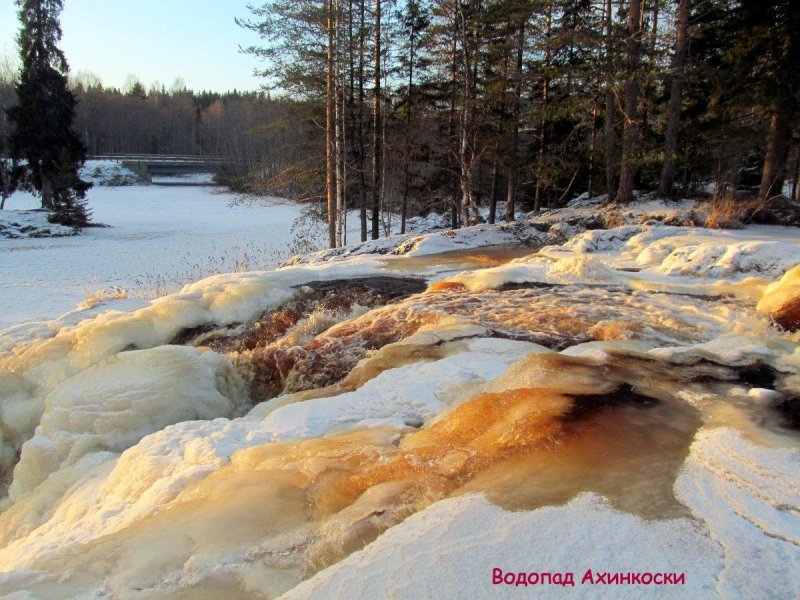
(607, 399)
(160, 239)
(16, 224)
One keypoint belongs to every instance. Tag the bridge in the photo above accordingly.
(147, 166)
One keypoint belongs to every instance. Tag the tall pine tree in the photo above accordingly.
(43, 118)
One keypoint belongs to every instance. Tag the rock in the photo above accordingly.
(781, 300)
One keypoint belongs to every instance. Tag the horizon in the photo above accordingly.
(158, 42)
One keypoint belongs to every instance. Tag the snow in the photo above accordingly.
(160, 239)
(749, 497)
(416, 245)
(677, 259)
(103, 493)
(602, 239)
(15, 224)
(764, 258)
(410, 394)
(108, 173)
(450, 549)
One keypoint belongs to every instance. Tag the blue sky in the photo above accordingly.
(161, 40)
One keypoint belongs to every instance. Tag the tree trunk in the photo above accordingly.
(651, 62)
(455, 203)
(495, 191)
(780, 131)
(47, 193)
(631, 136)
(351, 108)
(675, 99)
(407, 162)
(339, 129)
(330, 125)
(466, 153)
(592, 147)
(362, 149)
(511, 192)
(376, 132)
(611, 111)
(545, 98)
(775, 159)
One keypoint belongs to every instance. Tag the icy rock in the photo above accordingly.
(603, 239)
(99, 410)
(709, 259)
(781, 301)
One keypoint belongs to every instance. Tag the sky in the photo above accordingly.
(155, 40)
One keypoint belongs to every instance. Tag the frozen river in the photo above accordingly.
(159, 239)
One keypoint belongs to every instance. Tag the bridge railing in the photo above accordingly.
(162, 158)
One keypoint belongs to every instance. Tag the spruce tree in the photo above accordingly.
(42, 120)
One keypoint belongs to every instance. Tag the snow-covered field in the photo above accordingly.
(398, 420)
(160, 239)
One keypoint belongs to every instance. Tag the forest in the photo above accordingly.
(455, 104)
(408, 106)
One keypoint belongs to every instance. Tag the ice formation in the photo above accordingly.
(390, 421)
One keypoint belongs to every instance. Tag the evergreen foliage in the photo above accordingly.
(43, 118)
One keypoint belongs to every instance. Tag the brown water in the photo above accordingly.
(317, 338)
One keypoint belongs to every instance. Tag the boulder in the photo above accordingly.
(781, 300)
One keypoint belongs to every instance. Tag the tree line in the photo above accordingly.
(159, 120)
(410, 105)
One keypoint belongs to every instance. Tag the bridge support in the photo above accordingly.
(140, 168)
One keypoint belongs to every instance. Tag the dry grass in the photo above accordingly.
(236, 259)
(726, 211)
(96, 295)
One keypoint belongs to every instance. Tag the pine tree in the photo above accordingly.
(631, 136)
(676, 96)
(43, 118)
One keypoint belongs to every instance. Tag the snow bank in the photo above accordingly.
(569, 269)
(218, 300)
(766, 258)
(33, 371)
(116, 491)
(749, 498)
(749, 347)
(102, 493)
(477, 236)
(15, 224)
(108, 173)
(598, 240)
(660, 258)
(449, 550)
